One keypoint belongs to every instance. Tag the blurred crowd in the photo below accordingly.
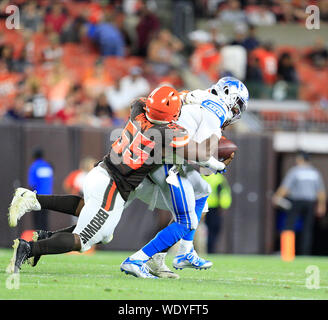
(264, 66)
(261, 12)
(81, 62)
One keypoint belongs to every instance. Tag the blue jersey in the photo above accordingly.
(40, 177)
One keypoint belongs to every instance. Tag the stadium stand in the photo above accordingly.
(57, 54)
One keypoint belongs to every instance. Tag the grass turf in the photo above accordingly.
(98, 277)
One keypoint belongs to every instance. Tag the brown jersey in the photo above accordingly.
(140, 148)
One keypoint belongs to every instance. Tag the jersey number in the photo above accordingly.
(130, 144)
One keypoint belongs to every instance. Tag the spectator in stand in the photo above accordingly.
(73, 183)
(205, 60)
(240, 31)
(251, 42)
(53, 52)
(120, 95)
(73, 30)
(7, 56)
(118, 99)
(31, 17)
(10, 85)
(119, 19)
(213, 27)
(36, 104)
(231, 12)
(290, 11)
(254, 72)
(22, 62)
(30, 49)
(319, 54)
(234, 55)
(147, 27)
(15, 110)
(268, 62)
(55, 18)
(102, 108)
(261, 16)
(96, 80)
(162, 52)
(85, 115)
(131, 7)
(59, 85)
(107, 37)
(69, 113)
(134, 84)
(286, 69)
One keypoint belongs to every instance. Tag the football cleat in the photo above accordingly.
(38, 235)
(137, 268)
(24, 201)
(157, 267)
(22, 251)
(191, 260)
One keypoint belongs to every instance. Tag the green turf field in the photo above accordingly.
(98, 277)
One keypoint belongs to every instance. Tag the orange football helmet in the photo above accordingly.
(163, 105)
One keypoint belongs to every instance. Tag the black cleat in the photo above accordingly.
(39, 235)
(22, 251)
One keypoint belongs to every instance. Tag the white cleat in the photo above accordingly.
(137, 268)
(157, 267)
(191, 260)
(24, 201)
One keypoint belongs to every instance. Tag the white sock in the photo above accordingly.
(185, 246)
(139, 255)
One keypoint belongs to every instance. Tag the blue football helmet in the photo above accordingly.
(235, 95)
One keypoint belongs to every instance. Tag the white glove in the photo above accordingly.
(213, 164)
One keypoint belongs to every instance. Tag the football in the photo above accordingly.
(225, 148)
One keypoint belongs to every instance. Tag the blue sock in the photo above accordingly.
(200, 204)
(165, 238)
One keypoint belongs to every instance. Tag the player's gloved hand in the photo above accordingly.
(227, 162)
(213, 164)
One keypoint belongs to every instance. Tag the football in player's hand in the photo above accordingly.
(225, 149)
